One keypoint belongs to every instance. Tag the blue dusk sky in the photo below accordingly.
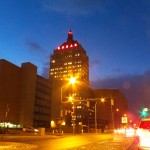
(114, 33)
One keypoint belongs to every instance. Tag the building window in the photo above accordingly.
(78, 107)
(77, 54)
(79, 116)
(53, 61)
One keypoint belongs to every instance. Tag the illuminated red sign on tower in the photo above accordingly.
(70, 42)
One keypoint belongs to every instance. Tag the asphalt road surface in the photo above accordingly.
(66, 142)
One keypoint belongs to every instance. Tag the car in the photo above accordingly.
(30, 129)
(127, 132)
(143, 134)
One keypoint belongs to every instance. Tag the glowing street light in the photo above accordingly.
(72, 80)
(70, 98)
(117, 109)
(102, 100)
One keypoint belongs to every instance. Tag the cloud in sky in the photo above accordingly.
(94, 63)
(117, 70)
(42, 55)
(136, 88)
(34, 47)
(45, 70)
(77, 7)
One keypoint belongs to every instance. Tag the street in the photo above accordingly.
(65, 142)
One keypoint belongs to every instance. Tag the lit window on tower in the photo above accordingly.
(79, 107)
(53, 61)
(79, 116)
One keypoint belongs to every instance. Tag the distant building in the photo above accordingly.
(111, 107)
(24, 95)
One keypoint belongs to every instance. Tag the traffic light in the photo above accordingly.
(144, 113)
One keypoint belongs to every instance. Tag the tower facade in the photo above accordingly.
(70, 60)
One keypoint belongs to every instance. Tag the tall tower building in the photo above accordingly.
(70, 59)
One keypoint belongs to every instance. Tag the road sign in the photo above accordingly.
(124, 120)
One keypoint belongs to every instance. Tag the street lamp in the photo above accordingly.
(101, 100)
(70, 98)
(112, 112)
(72, 81)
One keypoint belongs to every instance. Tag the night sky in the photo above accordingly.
(114, 33)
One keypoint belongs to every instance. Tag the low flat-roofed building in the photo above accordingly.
(24, 95)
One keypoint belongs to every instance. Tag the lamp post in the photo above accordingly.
(61, 94)
(112, 112)
(95, 117)
(112, 109)
(73, 122)
(102, 100)
(72, 81)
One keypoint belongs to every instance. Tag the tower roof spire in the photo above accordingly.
(70, 36)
